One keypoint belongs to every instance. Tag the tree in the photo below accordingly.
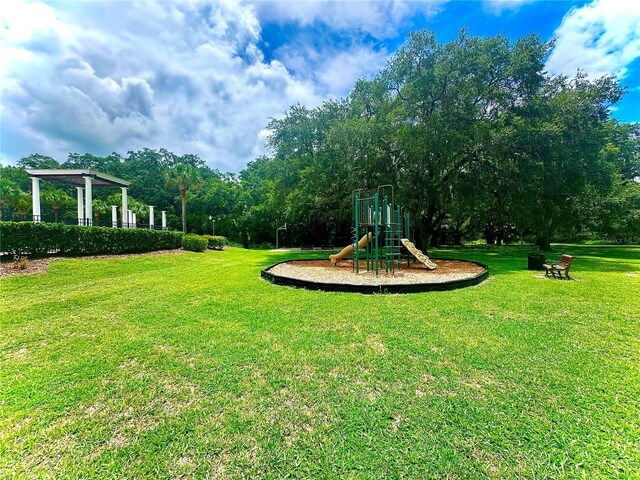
(146, 169)
(136, 206)
(140, 209)
(222, 196)
(559, 139)
(87, 160)
(429, 116)
(16, 175)
(37, 161)
(183, 177)
(22, 203)
(9, 191)
(99, 207)
(57, 198)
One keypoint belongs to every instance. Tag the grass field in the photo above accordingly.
(190, 366)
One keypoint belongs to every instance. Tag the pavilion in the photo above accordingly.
(84, 180)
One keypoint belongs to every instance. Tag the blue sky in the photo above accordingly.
(205, 77)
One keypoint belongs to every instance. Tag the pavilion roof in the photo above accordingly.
(76, 177)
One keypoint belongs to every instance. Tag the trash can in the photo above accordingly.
(536, 259)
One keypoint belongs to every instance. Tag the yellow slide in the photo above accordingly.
(347, 250)
(417, 253)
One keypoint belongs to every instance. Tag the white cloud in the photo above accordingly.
(333, 70)
(189, 76)
(376, 18)
(339, 72)
(498, 6)
(602, 37)
(102, 77)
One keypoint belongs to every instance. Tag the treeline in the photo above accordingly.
(478, 140)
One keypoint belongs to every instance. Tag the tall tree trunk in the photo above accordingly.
(421, 234)
(544, 241)
(489, 234)
(544, 236)
(183, 198)
(435, 237)
(56, 211)
(429, 228)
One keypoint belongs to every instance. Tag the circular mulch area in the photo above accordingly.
(323, 275)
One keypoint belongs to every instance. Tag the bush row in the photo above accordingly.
(38, 239)
(216, 242)
(194, 243)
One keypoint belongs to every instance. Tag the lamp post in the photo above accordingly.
(284, 227)
(213, 221)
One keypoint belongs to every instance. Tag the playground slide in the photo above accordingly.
(347, 250)
(417, 253)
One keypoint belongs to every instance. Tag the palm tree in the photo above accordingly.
(136, 206)
(99, 208)
(184, 177)
(139, 208)
(57, 199)
(22, 203)
(9, 191)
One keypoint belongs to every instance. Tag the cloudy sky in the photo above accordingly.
(205, 76)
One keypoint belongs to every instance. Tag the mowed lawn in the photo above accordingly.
(191, 366)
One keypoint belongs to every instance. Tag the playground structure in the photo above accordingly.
(385, 231)
(381, 244)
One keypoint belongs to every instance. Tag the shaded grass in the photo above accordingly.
(191, 366)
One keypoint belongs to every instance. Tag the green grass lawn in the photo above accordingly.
(189, 365)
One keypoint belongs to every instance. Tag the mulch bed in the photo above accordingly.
(31, 267)
(323, 271)
(41, 265)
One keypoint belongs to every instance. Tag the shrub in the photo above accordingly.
(38, 239)
(217, 242)
(21, 263)
(194, 243)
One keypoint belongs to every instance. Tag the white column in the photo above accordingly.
(164, 219)
(129, 219)
(125, 211)
(35, 198)
(134, 220)
(151, 221)
(88, 200)
(80, 205)
(114, 216)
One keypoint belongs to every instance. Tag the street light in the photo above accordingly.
(284, 227)
(213, 221)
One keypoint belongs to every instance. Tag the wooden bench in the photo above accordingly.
(556, 270)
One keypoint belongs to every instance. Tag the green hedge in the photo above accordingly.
(38, 239)
(194, 243)
(216, 242)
